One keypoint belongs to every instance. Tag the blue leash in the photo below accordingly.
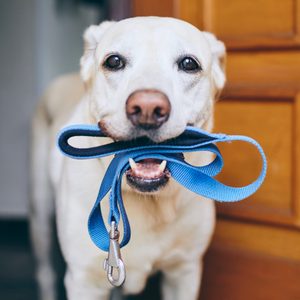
(198, 179)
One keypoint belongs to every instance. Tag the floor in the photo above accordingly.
(16, 262)
(17, 267)
(224, 269)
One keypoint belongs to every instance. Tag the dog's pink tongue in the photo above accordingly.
(147, 168)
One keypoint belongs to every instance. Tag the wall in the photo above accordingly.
(38, 42)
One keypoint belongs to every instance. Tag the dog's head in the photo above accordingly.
(151, 76)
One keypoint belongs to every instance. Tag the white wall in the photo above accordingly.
(37, 44)
(59, 38)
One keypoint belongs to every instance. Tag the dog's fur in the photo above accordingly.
(171, 229)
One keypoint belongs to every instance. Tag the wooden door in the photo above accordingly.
(255, 253)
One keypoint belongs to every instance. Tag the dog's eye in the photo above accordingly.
(189, 64)
(114, 62)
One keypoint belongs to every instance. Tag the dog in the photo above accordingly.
(142, 76)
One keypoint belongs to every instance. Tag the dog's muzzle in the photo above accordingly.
(147, 110)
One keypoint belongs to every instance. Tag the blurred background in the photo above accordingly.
(255, 252)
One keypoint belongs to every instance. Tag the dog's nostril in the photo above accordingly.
(160, 115)
(159, 112)
(136, 110)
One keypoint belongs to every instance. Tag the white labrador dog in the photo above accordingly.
(145, 76)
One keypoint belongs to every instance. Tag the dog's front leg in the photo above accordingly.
(79, 287)
(182, 282)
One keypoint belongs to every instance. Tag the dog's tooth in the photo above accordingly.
(162, 166)
(132, 163)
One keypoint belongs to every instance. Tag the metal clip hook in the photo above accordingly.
(114, 260)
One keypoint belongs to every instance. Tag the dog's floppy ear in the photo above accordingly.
(91, 38)
(218, 64)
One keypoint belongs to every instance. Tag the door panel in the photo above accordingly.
(255, 252)
(235, 275)
(274, 201)
(276, 71)
(237, 19)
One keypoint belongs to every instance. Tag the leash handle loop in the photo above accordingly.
(197, 179)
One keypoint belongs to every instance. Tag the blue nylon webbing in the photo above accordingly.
(198, 179)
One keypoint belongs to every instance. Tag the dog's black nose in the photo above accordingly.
(148, 109)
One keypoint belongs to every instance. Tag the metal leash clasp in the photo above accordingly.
(114, 260)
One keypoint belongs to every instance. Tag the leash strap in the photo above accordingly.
(199, 179)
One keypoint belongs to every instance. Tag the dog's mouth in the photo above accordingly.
(145, 176)
(148, 175)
